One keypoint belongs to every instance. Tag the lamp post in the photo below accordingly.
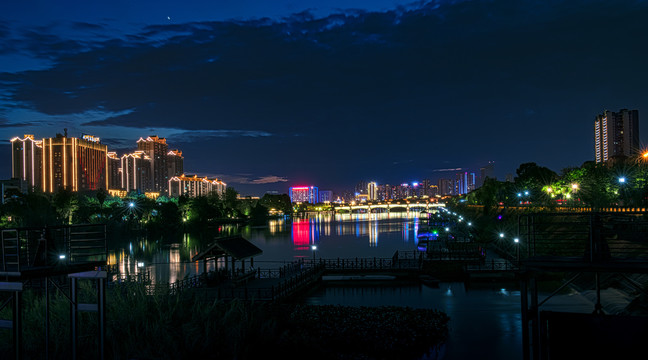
(313, 247)
(622, 181)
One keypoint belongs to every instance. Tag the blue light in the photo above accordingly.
(622, 180)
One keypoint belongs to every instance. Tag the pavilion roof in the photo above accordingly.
(235, 246)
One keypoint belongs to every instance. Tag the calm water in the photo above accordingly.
(343, 236)
(485, 318)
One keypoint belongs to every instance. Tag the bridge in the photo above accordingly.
(420, 204)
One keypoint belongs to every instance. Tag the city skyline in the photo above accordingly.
(269, 96)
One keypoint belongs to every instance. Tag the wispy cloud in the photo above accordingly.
(248, 179)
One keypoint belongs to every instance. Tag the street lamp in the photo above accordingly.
(313, 247)
(517, 249)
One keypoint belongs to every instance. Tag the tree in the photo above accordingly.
(66, 204)
(277, 202)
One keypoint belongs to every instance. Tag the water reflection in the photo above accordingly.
(282, 240)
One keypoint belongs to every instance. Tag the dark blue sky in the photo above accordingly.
(271, 94)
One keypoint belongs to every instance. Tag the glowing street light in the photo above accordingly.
(501, 235)
(622, 180)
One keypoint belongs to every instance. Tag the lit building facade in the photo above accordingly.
(616, 134)
(302, 194)
(464, 183)
(325, 196)
(26, 160)
(74, 164)
(114, 171)
(157, 149)
(175, 163)
(194, 186)
(372, 191)
(136, 172)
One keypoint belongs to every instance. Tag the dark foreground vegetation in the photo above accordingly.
(141, 326)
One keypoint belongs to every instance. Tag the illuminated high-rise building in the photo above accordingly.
(114, 171)
(194, 186)
(464, 183)
(74, 164)
(372, 191)
(175, 163)
(302, 194)
(26, 157)
(157, 149)
(136, 172)
(616, 135)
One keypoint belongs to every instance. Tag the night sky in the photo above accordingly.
(271, 94)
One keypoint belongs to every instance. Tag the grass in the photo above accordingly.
(141, 326)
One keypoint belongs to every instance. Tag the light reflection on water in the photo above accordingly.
(485, 321)
(335, 236)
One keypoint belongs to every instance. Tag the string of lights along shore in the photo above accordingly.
(616, 137)
(85, 164)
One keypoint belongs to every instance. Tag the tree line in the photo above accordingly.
(135, 211)
(592, 185)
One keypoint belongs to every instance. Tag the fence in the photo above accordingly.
(592, 236)
(29, 248)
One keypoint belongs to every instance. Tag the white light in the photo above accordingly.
(447, 229)
(314, 247)
(131, 204)
(62, 256)
(501, 235)
(469, 224)
(516, 240)
(622, 180)
(140, 264)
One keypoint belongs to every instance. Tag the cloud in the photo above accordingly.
(271, 179)
(446, 170)
(429, 82)
(247, 179)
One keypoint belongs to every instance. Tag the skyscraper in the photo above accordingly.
(175, 163)
(26, 158)
(616, 135)
(157, 149)
(372, 190)
(136, 172)
(114, 171)
(74, 164)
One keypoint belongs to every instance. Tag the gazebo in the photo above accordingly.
(235, 248)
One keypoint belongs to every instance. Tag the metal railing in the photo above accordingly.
(592, 236)
(29, 248)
